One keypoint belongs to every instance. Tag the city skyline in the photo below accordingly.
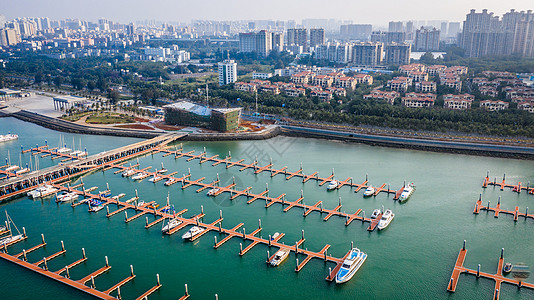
(171, 11)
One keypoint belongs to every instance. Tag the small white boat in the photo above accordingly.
(170, 181)
(128, 173)
(8, 137)
(195, 230)
(279, 257)
(22, 171)
(213, 191)
(155, 179)
(369, 191)
(332, 185)
(140, 176)
(63, 150)
(12, 168)
(376, 213)
(95, 208)
(67, 197)
(162, 170)
(141, 203)
(10, 238)
(350, 265)
(387, 217)
(170, 225)
(407, 192)
(275, 235)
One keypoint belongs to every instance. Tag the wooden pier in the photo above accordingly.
(503, 184)
(498, 277)
(498, 210)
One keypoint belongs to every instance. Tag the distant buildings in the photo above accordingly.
(298, 37)
(360, 32)
(367, 53)
(317, 37)
(259, 42)
(227, 72)
(398, 54)
(9, 37)
(189, 114)
(485, 34)
(459, 102)
(427, 39)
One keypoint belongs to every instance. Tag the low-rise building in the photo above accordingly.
(346, 82)
(434, 70)
(323, 81)
(408, 69)
(364, 79)
(488, 91)
(257, 75)
(494, 105)
(399, 84)
(418, 100)
(528, 106)
(245, 87)
(295, 92)
(322, 95)
(389, 96)
(461, 102)
(453, 83)
(417, 76)
(425, 87)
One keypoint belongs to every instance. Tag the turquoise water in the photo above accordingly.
(412, 259)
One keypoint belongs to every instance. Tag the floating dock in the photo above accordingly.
(498, 210)
(503, 184)
(498, 277)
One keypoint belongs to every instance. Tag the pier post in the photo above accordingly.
(93, 282)
(502, 252)
(463, 248)
(24, 231)
(478, 271)
(303, 234)
(268, 255)
(363, 214)
(296, 247)
(450, 283)
(244, 235)
(488, 203)
(119, 293)
(351, 244)
(240, 248)
(24, 253)
(157, 279)
(83, 253)
(126, 215)
(499, 200)
(526, 212)
(107, 262)
(515, 215)
(215, 244)
(42, 238)
(220, 214)
(220, 226)
(297, 264)
(496, 294)
(329, 271)
(107, 209)
(259, 226)
(202, 209)
(62, 246)
(339, 201)
(216, 297)
(186, 291)
(131, 270)
(325, 254)
(270, 238)
(67, 271)
(146, 218)
(45, 264)
(321, 206)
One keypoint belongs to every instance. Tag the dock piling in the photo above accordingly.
(526, 212)
(215, 244)
(45, 264)
(93, 282)
(42, 237)
(478, 271)
(119, 293)
(325, 251)
(83, 253)
(131, 271)
(157, 279)
(202, 209)
(502, 252)
(146, 218)
(126, 215)
(107, 210)
(240, 248)
(259, 226)
(303, 234)
(270, 239)
(244, 235)
(24, 254)
(496, 294)
(499, 200)
(186, 291)
(464, 245)
(329, 271)
(107, 262)
(268, 255)
(67, 271)
(62, 246)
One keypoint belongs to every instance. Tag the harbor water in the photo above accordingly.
(411, 259)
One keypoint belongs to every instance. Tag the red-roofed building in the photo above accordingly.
(461, 102)
(425, 87)
(494, 105)
(389, 96)
(418, 100)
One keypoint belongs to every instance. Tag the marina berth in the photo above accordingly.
(350, 265)
(387, 217)
(369, 191)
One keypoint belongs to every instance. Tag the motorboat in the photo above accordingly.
(170, 181)
(12, 168)
(66, 196)
(42, 192)
(140, 176)
(195, 230)
(213, 192)
(155, 179)
(22, 171)
(387, 217)
(332, 185)
(128, 173)
(170, 225)
(275, 235)
(162, 170)
(279, 257)
(407, 192)
(64, 149)
(350, 265)
(507, 268)
(95, 205)
(106, 193)
(153, 206)
(369, 191)
(376, 213)
(8, 137)
(141, 203)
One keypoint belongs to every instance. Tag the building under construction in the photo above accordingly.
(185, 113)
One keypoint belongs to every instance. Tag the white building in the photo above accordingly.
(227, 72)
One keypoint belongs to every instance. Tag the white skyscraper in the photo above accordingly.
(227, 72)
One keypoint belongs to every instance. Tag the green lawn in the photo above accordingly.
(108, 118)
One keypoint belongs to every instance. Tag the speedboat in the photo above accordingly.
(407, 192)
(279, 257)
(12, 168)
(350, 265)
(507, 268)
(369, 191)
(63, 150)
(140, 176)
(387, 217)
(106, 193)
(8, 137)
(275, 235)
(212, 192)
(332, 185)
(376, 213)
(155, 179)
(141, 203)
(95, 205)
(66, 196)
(128, 173)
(162, 170)
(22, 171)
(170, 225)
(195, 230)
(171, 181)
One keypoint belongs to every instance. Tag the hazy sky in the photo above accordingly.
(374, 12)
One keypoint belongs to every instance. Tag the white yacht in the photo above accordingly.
(170, 181)
(376, 213)
(66, 196)
(369, 191)
(155, 179)
(12, 168)
(195, 230)
(8, 137)
(332, 185)
(22, 171)
(64, 150)
(350, 265)
(95, 205)
(170, 225)
(279, 257)
(213, 191)
(275, 235)
(407, 192)
(42, 191)
(128, 173)
(140, 176)
(387, 217)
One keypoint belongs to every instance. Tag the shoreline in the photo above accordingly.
(478, 149)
